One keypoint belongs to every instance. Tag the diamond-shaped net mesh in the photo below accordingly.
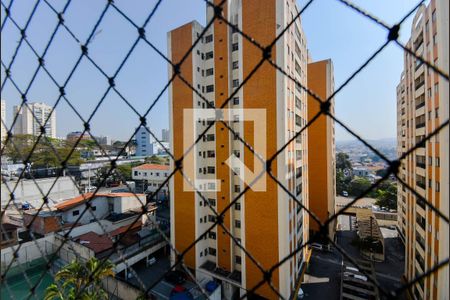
(109, 84)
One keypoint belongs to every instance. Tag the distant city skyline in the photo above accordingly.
(367, 104)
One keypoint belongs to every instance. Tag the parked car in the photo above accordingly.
(345, 193)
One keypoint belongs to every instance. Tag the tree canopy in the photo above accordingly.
(46, 152)
(80, 281)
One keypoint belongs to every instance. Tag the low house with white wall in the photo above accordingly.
(102, 205)
(149, 177)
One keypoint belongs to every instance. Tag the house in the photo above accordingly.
(149, 177)
(102, 205)
(9, 235)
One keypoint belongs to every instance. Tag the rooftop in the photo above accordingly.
(98, 243)
(69, 203)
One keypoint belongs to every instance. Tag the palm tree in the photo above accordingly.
(80, 281)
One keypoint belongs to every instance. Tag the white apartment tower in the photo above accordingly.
(422, 106)
(32, 116)
(3, 132)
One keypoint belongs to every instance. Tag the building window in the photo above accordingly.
(212, 235)
(436, 88)
(436, 112)
(235, 47)
(437, 162)
(235, 65)
(208, 38)
(212, 251)
(135, 173)
(437, 186)
(435, 39)
(433, 16)
(211, 170)
(237, 188)
(236, 100)
(237, 153)
(237, 223)
(211, 153)
(237, 259)
(75, 213)
(209, 88)
(209, 55)
(429, 93)
(94, 208)
(212, 202)
(235, 83)
(209, 72)
(237, 206)
(430, 161)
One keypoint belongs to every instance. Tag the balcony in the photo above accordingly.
(419, 84)
(419, 105)
(420, 165)
(421, 184)
(420, 125)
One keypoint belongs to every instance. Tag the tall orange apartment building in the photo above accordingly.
(268, 223)
(422, 105)
(321, 146)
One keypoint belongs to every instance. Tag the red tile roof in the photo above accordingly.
(98, 243)
(69, 203)
(152, 167)
(125, 228)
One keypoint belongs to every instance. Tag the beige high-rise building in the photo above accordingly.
(3, 121)
(268, 223)
(422, 105)
(27, 124)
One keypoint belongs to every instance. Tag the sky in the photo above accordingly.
(367, 104)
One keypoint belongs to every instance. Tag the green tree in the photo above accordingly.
(80, 281)
(156, 160)
(386, 195)
(343, 161)
(358, 185)
(341, 182)
(47, 152)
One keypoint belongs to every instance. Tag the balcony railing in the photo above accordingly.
(419, 85)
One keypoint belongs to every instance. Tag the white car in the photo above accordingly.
(355, 276)
(300, 294)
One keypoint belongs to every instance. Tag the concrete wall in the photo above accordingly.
(72, 251)
(28, 191)
(28, 251)
(101, 210)
(126, 203)
(120, 289)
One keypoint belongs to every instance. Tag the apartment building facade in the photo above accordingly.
(32, 116)
(3, 131)
(321, 146)
(268, 223)
(144, 145)
(422, 105)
